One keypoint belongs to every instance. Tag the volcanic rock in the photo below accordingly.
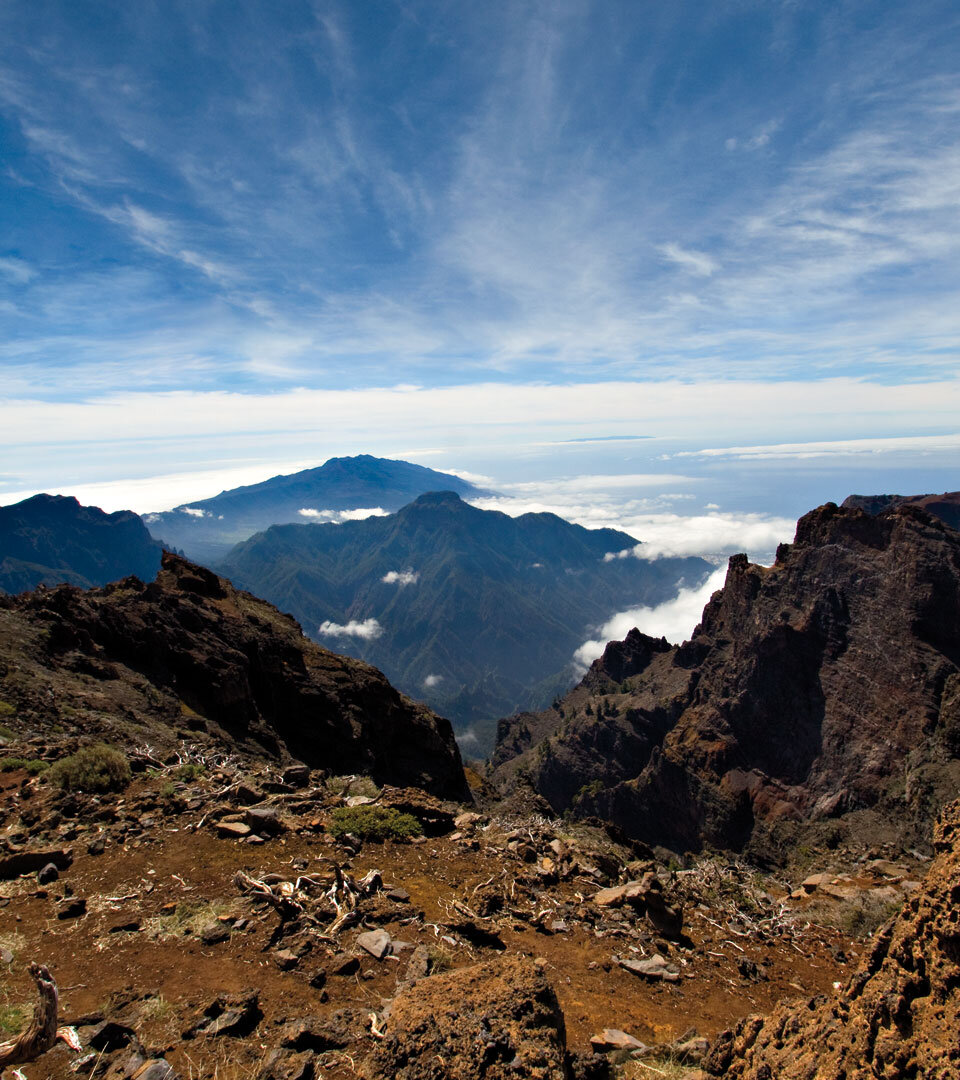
(190, 644)
(497, 1021)
(898, 1015)
(803, 692)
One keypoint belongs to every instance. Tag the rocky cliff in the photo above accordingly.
(824, 686)
(189, 655)
(898, 1015)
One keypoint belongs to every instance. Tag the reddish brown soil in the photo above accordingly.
(124, 974)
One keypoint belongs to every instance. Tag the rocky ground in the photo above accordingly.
(215, 919)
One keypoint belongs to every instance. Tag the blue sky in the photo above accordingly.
(245, 236)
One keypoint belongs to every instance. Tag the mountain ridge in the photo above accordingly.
(207, 529)
(135, 660)
(467, 603)
(52, 539)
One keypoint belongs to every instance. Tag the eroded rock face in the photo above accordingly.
(233, 665)
(494, 1021)
(898, 1016)
(809, 689)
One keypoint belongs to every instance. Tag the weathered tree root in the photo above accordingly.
(41, 1033)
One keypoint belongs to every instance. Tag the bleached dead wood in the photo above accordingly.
(41, 1033)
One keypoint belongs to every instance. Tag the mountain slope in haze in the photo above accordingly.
(946, 506)
(135, 662)
(208, 529)
(475, 612)
(825, 685)
(52, 539)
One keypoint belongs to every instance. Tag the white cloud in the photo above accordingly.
(222, 425)
(338, 516)
(400, 577)
(756, 141)
(675, 620)
(830, 448)
(193, 511)
(431, 681)
(16, 269)
(366, 630)
(694, 261)
(665, 535)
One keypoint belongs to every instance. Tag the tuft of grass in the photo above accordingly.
(859, 918)
(6, 709)
(32, 766)
(189, 917)
(375, 823)
(665, 1065)
(440, 958)
(92, 768)
(13, 1018)
(156, 1008)
(7, 732)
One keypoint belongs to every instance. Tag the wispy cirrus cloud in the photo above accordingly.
(523, 228)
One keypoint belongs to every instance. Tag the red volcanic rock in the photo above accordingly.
(824, 684)
(232, 665)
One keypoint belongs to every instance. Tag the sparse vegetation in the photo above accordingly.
(92, 768)
(156, 1008)
(859, 918)
(32, 766)
(667, 1065)
(588, 791)
(192, 770)
(376, 823)
(13, 1018)
(440, 958)
(189, 917)
(352, 785)
(6, 709)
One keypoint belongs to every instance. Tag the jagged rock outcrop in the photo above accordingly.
(946, 506)
(826, 684)
(52, 539)
(898, 1016)
(189, 651)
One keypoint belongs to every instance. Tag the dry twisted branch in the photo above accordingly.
(41, 1033)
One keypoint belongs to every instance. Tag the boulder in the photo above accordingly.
(264, 820)
(493, 1021)
(375, 942)
(234, 829)
(613, 1039)
(29, 862)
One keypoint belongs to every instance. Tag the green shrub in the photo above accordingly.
(373, 823)
(91, 768)
(6, 709)
(190, 771)
(34, 766)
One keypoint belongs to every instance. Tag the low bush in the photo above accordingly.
(190, 771)
(91, 768)
(373, 823)
(33, 766)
